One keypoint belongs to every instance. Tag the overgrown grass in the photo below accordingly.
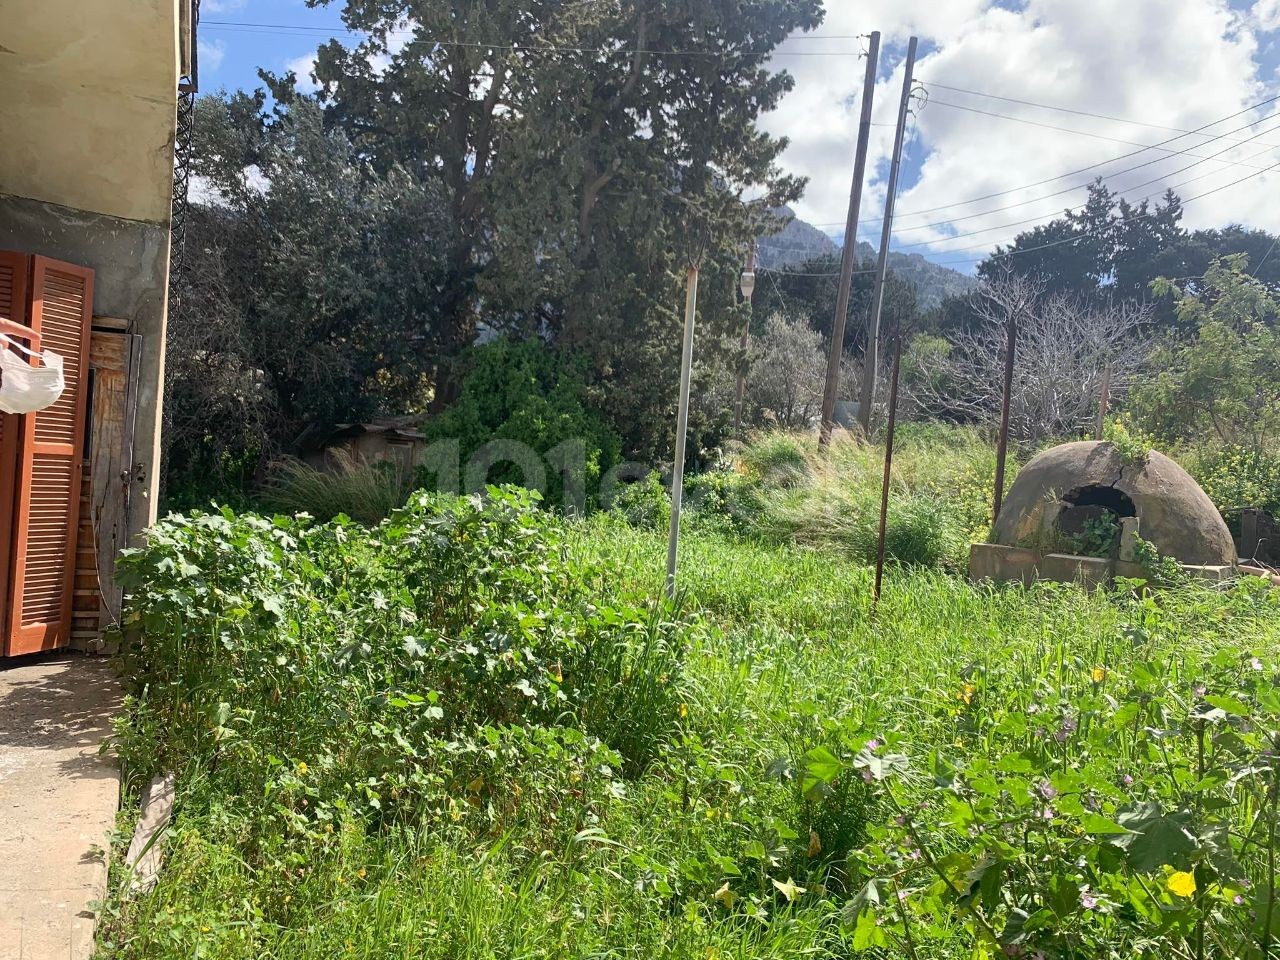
(788, 492)
(480, 733)
(350, 485)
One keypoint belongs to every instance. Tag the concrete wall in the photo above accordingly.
(130, 259)
(88, 100)
(87, 96)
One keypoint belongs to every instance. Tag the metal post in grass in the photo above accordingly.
(1002, 446)
(1104, 397)
(682, 425)
(888, 465)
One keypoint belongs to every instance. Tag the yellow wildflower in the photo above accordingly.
(1181, 883)
(1099, 674)
(683, 710)
(360, 873)
(967, 693)
(302, 768)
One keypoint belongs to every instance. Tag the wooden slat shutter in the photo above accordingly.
(49, 466)
(13, 310)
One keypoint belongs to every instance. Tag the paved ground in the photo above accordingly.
(58, 799)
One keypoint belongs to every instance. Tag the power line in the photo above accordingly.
(1118, 173)
(1266, 256)
(1079, 113)
(1081, 236)
(1079, 133)
(1072, 173)
(1160, 179)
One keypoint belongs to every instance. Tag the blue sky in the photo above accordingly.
(1154, 66)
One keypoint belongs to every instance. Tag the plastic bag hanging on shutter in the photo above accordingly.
(24, 388)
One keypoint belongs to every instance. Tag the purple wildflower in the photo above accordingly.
(1087, 899)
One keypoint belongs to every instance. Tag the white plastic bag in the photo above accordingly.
(24, 388)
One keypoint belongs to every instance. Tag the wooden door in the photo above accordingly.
(60, 298)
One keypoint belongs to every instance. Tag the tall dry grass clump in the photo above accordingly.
(350, 485)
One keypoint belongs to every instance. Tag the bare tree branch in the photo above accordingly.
(1063, 347)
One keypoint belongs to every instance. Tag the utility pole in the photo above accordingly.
(850, 253)
(748, 287)
(871, 357)
(682, 427)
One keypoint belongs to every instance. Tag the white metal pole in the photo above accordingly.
(682, 428)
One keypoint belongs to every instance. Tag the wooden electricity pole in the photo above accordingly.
(849, 255)
(871, 357)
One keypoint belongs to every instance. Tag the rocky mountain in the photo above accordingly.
(799, 242)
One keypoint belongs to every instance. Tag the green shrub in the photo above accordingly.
(525, 391)
(644, 503)
(723, 500)
(1132, 444)
(778, 459)
(363, 650)
(1236, 478)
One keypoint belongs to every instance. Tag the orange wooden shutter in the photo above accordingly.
(13, 313)
(49, 466)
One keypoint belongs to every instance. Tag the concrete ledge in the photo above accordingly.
(1131, 570)
(1213, 574)
(1090, 572)
(992, 561)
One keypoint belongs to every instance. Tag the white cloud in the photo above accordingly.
(1267, 14)
(304, 66)
(211, 54)
(1089, 55)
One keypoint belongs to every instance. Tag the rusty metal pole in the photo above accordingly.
(1104, 399)
(888, 467)
(1002, 446)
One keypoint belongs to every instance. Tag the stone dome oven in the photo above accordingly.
(1060, 491)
